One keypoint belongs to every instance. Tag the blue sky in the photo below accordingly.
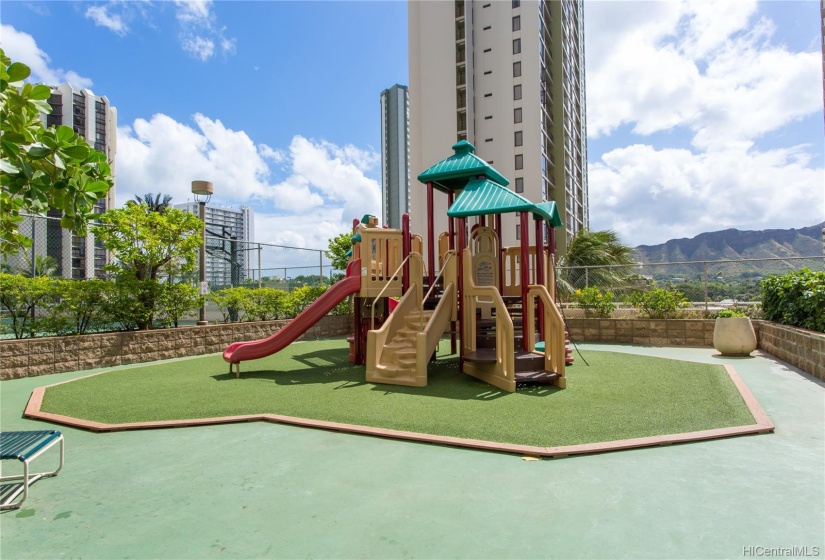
(701, 115)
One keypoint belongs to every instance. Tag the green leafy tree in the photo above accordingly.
(42, 168)
(19, 296)
(175, 301)
(79, 308)
(337, 251)
(594, 249)
(144, 244)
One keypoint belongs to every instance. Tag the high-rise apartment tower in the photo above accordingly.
(395, 155)
(230, 233)
(92, 117)
(507, 76)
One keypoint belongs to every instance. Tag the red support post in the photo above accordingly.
(500, 256)
(553, 260)
(430, 235)
(406, 244)
(540, 277)
(524, 269)
(462, 241)
(451, 245)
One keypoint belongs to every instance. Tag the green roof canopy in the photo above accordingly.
(482, 197)
(453, 173)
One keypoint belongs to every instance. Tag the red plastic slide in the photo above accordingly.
(242, 351)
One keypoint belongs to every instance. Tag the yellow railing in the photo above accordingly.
(502, 375)
(391, 281)
(554, 354)
(447, 278)
(380, 251)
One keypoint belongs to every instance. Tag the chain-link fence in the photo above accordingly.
(707, 286)
(230, 262)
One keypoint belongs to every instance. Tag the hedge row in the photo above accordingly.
(44, 306)
(796, 298)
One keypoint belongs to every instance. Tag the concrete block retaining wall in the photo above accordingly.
(799, 347)
(41, 356)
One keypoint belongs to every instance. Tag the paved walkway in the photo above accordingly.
(272, 491)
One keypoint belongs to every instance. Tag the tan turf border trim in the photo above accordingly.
(763, 425)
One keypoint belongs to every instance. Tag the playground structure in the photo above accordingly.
(496, 302)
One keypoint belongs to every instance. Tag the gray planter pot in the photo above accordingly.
(734, 336)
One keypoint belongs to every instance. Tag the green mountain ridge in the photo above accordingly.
(733, 244)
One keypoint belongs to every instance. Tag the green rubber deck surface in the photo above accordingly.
(261, 490)
(618, 396)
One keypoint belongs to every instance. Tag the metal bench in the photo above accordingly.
(25, 447)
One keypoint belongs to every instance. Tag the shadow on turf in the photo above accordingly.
(330, 365)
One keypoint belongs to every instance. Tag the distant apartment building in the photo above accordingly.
(230, 233)
(395, 155)
(92, 117)
(507, 76)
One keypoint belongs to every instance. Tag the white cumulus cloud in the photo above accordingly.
(312, 194)
(711, 73)
(21, 47)
(102, 17)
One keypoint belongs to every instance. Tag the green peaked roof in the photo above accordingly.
(453, 173)
(483, 196)
(550, 212)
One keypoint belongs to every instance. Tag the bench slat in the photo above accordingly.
(22, 445)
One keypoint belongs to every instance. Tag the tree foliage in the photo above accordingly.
(337, 251)
(144, 242)
(42, 168)
(155, 203)
(594, 249)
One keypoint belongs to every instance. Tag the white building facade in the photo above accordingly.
(507, 76)
(230, 234)
(92, 117)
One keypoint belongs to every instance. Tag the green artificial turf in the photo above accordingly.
(618, 396)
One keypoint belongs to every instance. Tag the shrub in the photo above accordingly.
(175, 301)
(19, 296)
(733, 312)
(796, 298)
(264, 304)
(230, 301)
(301, 298)
(659, 303)
(79, 307)
(594, 303)
(126, 302)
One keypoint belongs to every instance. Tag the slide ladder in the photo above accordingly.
(398, 353)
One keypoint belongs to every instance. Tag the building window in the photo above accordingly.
(462, 121)
(487, 50)
(516, 69)
(488, 27)
(459, 30)
(461, 76)
(516, 3)
(488, 117)
(459, 53)
(518, 232)
(516, 46)
(517, 115)
(519, 161)
(519, 138)
(486, 6)
(516, 23)
(488, 139)
(488, 72)
(519, 184)
(517, 91)
(461, 98)
(488, 95)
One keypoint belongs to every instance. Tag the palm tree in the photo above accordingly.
(600, 249)
(157, 203)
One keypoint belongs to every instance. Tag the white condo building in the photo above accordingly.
(230, 233)
(507, 76)
(92, 117)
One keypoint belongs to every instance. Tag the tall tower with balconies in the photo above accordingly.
(507, 76)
